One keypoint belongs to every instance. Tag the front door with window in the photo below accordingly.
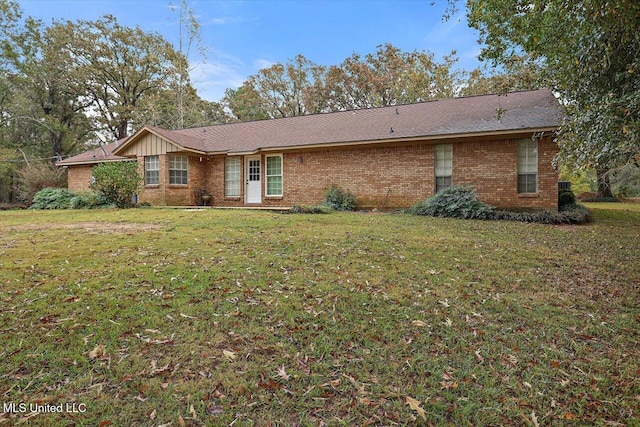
(253, 193)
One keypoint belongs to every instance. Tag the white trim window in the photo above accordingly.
(274, 175)
(444, 166)
(151, 170)
(527, 166)
(232, 171)
(178, 170)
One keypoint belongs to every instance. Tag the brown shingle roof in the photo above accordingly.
(448, 118)
(517, 111)
(97, 155)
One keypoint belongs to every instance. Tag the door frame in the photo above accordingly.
(254, 197)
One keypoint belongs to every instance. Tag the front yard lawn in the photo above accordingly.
(221, 317)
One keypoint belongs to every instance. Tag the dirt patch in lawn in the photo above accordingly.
(94, 227)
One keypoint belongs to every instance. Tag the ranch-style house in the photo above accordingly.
(389, 157)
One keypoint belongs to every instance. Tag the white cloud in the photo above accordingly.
(260, 64)
(221, 72)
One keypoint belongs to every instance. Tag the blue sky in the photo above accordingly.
(242, 37)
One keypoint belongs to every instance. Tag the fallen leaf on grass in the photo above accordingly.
(214, 409)
(415, 405)
(181, 421)
(534, 419)
(282, 373)
(229, 355)
(418, 323)
(97, 352)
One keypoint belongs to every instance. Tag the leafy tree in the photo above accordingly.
(517, 75)
(245, 103)
(292, 89)
(121, 66)
(391, 77)
(589, 51)
(48, 93)
(388, 77)
(117, 181)
(159, 108)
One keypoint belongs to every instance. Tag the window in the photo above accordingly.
(444, 166)
(151, 170)
(527, 166)
(178, 167)
(232, 177)
(274, 175)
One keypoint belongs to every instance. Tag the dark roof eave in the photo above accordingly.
(93, 161)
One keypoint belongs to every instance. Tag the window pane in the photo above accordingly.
(444, 160)
(274, 165)
(527, 183)
(274, 186)
(151, 170)
(274, 175)
(232, 177)
(442, 183)
(527, 156)
(178, 167)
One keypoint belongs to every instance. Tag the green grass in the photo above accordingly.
(216, 317)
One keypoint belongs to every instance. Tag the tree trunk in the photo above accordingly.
(604, 185)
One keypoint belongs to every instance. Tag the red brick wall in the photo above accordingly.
(381, 176)
(79, 177)
(491, 167)
(164, 194)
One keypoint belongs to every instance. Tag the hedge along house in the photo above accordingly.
(389, 157)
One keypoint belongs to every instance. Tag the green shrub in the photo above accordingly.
(338, 199)
(52, 198)
(566, 197)
(117, 181)
(317, 209)
(462, 202)
(89, 200)
(455, 202)
(61, 198)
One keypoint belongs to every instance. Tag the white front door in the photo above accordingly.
(253, 193)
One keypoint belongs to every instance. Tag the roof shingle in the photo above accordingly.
(456, 117)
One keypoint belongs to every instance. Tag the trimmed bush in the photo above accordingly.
(117, 181)
(566, 197)
(318, 209)
(61, 198)
(455, 202)
(338, 199)
(462, 202)
(52, 198)
(89, 200)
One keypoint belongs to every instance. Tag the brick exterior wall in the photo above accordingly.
(79, 177)
(165, 194)
(390, 176)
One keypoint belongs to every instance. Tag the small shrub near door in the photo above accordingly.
(338, 199)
